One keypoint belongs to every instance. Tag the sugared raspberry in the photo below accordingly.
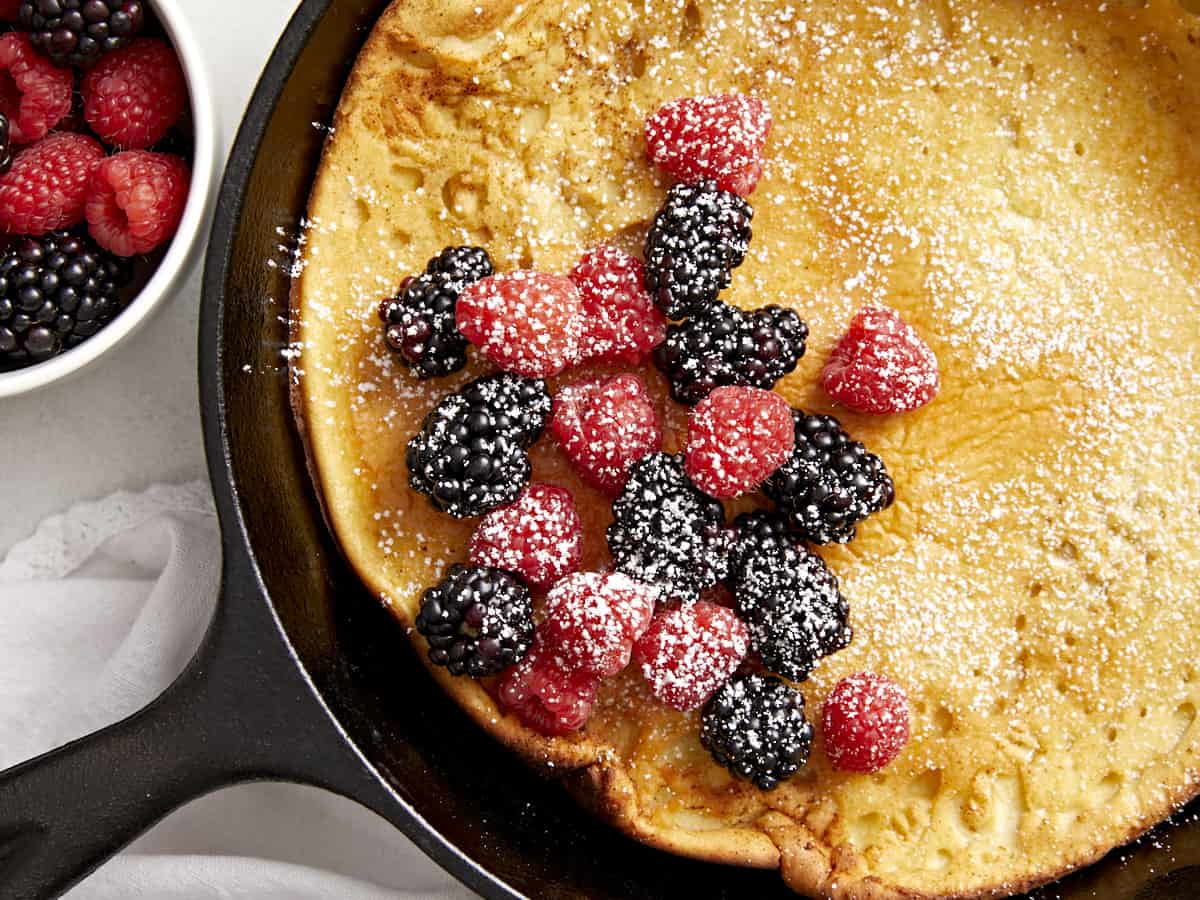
(605, 425)
(38, 93)
(48, 184)
(134, 95)
(591, 620)
(881, 365)
(545, 696)
(737, 436)
(137, 200)
(865, 722)
(719, 137)
(622, 324)
(688, 653)
(525, 322)
(539, 537)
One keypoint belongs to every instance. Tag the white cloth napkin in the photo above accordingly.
(99, 610)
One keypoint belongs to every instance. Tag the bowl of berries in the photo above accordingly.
(107, 152)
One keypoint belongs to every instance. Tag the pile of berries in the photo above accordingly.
(82, 191)
(523, 610)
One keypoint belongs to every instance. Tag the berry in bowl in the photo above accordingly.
(106, 156)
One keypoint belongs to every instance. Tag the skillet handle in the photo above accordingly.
(242, 710)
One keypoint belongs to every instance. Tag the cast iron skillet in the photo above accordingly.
(303, 676)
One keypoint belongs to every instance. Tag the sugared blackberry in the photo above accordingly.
(830, 484)
(470, 455)
(700, 355)
(666, 531)
(520, 406)
(755, 727)
(788, 599)
(725, 346)
(751, 531)
(6, 155)
(698, 237)
(478, 621)
(79, 32)
(55, 291)
(419, 321)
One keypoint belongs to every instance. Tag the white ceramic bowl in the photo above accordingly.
(192, 226)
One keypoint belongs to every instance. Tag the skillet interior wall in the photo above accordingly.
(519, 827)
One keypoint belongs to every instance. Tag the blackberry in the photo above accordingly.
(478, 621)
(725, 346)
(419, 321)
(755, 727)
(699, 355)
(788, 599)
(470, 454)
(778, 337)
(698, 237)
(830, 484)
(666, 531)
(55, 291)
(521, 406)
(752, 530)
(6, 154)
(464, 264)
(79, 32)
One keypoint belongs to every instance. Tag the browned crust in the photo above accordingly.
(591, 773)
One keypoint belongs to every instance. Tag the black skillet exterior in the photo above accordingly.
(303, 675)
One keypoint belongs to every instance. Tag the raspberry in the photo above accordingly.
(134, 95)
(591, 620)
(881, 365)
(605, 425)
(36, 94)
(865, 722)
(9, 10)
(524, 322)
(545, 696)
(737, 436)
(137, 200)
(539, 538)
(689, 652)
(48, 184)
(719, 137)
(622, 323)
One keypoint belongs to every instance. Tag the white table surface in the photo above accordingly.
(132, 417)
